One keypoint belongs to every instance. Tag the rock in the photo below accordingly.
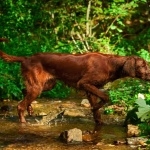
(74, 113)
(50, 116)
(5, 108)
(137, 141)
(57, 102)
(71, 136)
(35, 102)
(85, 103)
(68, 105)
(89, 136)
(133, 130)
(118, 109)
(120, 142)
(112, 119)
(42, 114)
(6, 100)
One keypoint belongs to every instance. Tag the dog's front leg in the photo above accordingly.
(93, 94)
(95, 107)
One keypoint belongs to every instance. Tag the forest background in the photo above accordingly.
(109, 26)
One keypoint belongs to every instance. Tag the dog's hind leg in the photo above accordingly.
(49, 84)
(32, 93)
(36, 80)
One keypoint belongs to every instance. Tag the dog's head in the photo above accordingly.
(137, 67)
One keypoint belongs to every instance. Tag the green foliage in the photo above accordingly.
(140, 115)
(145, 129)
(127, 90)
(144, 54)
(118, 26)
(143, 113)
(10, 83)
(131, 117)
(108, 111)
(60, 91)
(143, 110)
(113, 26)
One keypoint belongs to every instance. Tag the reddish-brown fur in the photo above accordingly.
(88, 72)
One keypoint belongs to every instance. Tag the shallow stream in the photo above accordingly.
(14, 136)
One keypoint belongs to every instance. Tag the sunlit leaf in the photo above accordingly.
(119, 30)
(141, 103)
(143, 113)
(113, 27)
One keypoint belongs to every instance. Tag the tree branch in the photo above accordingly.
(87, 19)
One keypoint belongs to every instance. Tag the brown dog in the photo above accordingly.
(88, 72)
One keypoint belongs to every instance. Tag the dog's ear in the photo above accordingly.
(129, 68)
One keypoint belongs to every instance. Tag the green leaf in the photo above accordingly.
(144, 113)
(143, 110)
(141, 103)
(119, 30)
(112, 27)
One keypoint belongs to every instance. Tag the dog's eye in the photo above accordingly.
(142, 68)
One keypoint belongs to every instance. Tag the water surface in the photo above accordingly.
(14, 136)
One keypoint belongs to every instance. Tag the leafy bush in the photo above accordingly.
(144, 54)
(143, 110)
(60, 91)
(143, 113)
(120, 27)
(127, 90)
(10, 84)
(140, 115)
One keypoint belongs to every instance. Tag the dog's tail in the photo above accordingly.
(3, 40)
(10, 58)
